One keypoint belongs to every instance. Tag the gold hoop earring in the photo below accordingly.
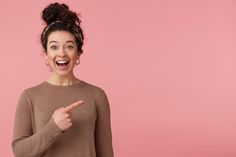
(77, 61)
(47, 63)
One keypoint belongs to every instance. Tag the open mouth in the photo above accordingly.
(62, 62)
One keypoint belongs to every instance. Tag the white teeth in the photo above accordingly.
(61, 62)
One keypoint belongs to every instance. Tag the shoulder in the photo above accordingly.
(26, 94)
(33, 89)
(99, 96)
(94, 89)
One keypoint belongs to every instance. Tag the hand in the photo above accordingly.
(62, 116)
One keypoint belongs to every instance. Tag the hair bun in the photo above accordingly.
(59, 12)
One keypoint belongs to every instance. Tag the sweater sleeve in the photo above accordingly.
(25, 143)
(103, 133)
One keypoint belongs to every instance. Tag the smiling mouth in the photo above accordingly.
(62, 62)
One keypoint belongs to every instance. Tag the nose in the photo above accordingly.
(62, 52)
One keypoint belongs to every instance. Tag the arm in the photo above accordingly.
(25, 143)
(103, 134)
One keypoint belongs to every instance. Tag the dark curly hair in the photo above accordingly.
(58, 17)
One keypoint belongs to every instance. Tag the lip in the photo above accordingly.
(62, 60)
(65, 60)
(62, 68)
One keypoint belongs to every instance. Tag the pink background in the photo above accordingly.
(168, 67)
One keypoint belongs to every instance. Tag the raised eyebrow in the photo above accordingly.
(52, 42)
(70, 41)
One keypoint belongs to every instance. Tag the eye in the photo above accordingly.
(70, 47)
(53, 47)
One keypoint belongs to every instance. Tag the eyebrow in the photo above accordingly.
(69, 41)
(52, 42)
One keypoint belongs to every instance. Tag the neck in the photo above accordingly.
(63, 80)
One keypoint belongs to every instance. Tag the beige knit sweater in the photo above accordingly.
(37, 135)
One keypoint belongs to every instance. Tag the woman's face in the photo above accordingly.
(61, 53)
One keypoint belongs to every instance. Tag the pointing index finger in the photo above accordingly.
(73, 106)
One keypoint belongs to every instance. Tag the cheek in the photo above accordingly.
(50, 57)
(51, 60)
(74, 56)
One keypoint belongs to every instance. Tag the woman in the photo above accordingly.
(63, 116)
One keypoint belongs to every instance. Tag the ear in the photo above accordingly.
(79, 53)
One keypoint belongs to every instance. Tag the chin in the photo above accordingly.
(62, 73)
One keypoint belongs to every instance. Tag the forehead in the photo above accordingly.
(61, 36)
